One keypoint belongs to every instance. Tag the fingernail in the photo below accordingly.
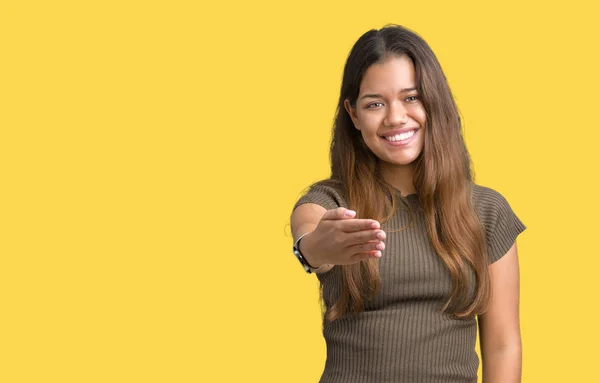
(380, 246)
(375, 225)
(349, 213)
(381, 235)
(377, 254)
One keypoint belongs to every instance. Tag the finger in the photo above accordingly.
(339, 213)
(364, 236)
(354, 225)
(367, 247)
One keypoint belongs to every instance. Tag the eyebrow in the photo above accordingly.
(377, 95)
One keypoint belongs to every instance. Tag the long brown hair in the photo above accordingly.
(442, 178)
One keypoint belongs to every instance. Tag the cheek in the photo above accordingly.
(369, 122)
(420, 115)
(369, 139)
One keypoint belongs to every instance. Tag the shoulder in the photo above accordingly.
(501, 224)
(490, 205)
(487, 200)
(327, 193)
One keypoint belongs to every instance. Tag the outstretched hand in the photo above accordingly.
(341, 239)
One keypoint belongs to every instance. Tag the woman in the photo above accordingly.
(410, 253)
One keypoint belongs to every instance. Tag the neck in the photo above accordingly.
(400, 177)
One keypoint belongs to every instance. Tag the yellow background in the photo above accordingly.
(151, 152)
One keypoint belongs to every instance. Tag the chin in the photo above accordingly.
(401, 161)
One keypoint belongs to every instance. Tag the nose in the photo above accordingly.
(396, 115)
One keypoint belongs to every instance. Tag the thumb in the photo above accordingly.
(339, 213)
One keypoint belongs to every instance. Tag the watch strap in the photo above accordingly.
(307, 267)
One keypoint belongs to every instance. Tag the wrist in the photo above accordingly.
(305, 246)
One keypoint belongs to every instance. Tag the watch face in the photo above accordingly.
(302, 261)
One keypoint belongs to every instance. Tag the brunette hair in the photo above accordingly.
(442, 179)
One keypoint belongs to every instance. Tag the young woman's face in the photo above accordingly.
(389, 112)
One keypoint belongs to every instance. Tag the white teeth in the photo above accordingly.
(401, 137)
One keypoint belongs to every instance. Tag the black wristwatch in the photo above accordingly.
(307, 267)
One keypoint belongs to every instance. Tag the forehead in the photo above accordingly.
(391, 75)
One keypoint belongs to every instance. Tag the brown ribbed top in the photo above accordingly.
(402, 336)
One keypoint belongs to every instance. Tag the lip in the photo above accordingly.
(395, 132)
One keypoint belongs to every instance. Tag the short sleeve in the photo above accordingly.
(326, 196)
(502, 226)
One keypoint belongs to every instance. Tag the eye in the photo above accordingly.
(372, 105)
(412, 99)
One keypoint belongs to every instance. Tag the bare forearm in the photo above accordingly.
(502, 365)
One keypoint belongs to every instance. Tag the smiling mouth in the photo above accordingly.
(401, 136)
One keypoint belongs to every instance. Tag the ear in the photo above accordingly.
(352, 112)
